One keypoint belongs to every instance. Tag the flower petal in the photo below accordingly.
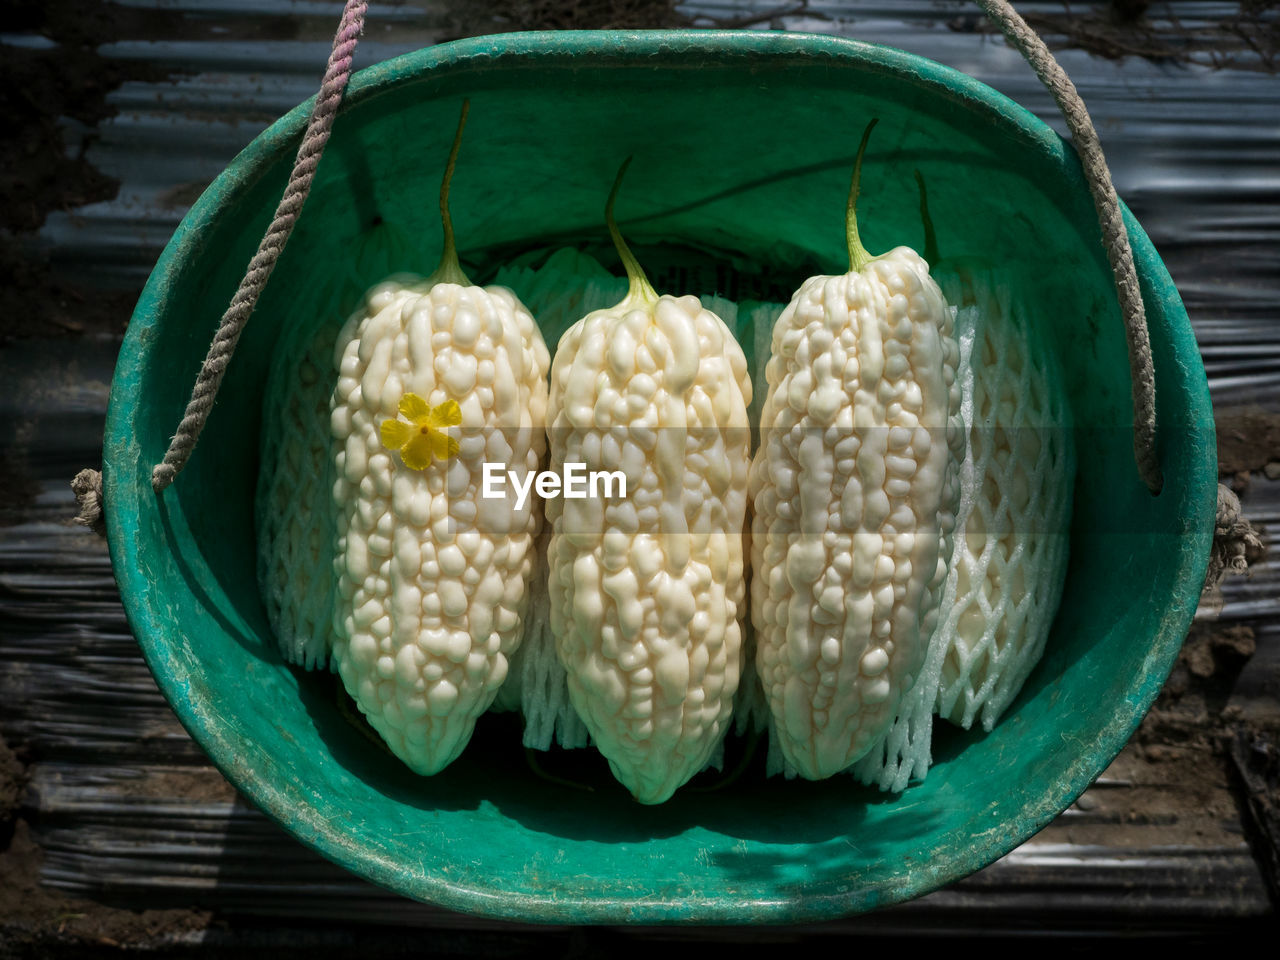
(395, 434)
(415, 408)
(417, 452)
(447, 414)
(443, 446)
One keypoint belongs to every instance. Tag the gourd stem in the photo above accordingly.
(449, 270)
(858, 255)
(357, 719)
(531, 758)
(734, 775)
(930, 236)
(640, 288)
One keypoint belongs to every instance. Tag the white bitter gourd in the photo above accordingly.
(854, 495)
(432, 578)
(647, 591)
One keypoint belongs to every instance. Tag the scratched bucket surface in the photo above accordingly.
(743, 144)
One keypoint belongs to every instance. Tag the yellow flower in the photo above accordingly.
(423, 437)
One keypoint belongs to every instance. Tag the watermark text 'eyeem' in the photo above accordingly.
(576, 483)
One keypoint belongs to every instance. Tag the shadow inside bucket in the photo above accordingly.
(572, 794)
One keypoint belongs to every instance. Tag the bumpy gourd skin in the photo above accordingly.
(854, 500)
(647, 592)
(431, 577)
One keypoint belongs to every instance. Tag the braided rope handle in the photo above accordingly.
(255, 279)
(1114, 235)
(1016, 30)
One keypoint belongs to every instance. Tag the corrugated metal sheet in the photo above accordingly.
(1192, 148)
(1195, 151)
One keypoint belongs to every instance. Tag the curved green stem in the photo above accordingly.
(734, 775)
(531, 758)
(858, 255)
(930, 236)
(640, 291)
(449, 270)
(349, 712)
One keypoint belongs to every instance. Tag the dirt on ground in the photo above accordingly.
(474, 17)
(1224, 763)
(1248, 442)
(52, 98)
(1255, 762)
(469, 18)
(198, 785)
(1176, 782)
(34, 917)
(13, 781)
(1247, 38)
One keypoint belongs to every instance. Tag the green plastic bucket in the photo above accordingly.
(743, 143)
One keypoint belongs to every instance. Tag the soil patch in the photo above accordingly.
(35, 919)
(1174, 783)
(53, 95)
(1248, 441)
(195, 785)
(468, 18)
(13, 781)
(1246, 39)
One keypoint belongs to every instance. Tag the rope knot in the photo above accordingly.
(87, 486)
(1235, 543)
